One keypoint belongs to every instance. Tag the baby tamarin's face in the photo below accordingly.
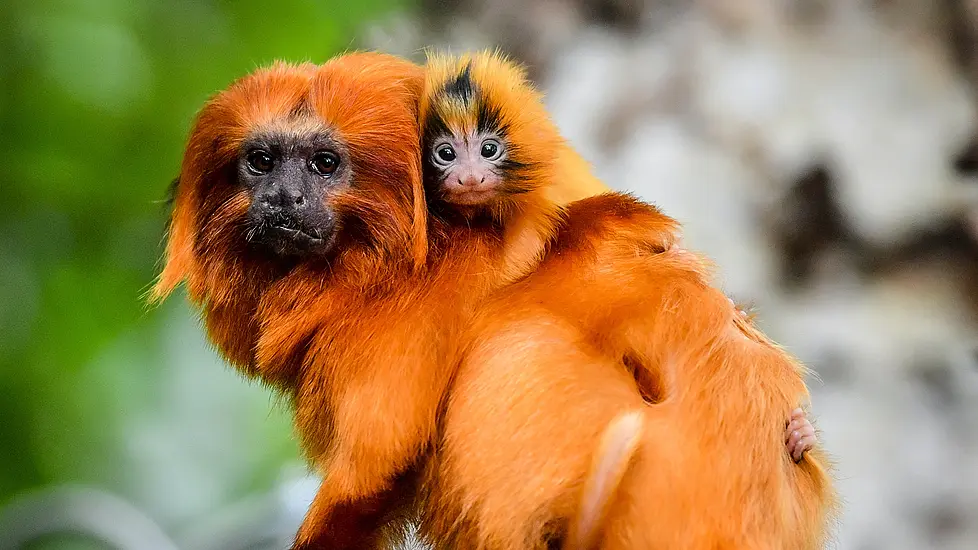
(469, 166)
(488, 141)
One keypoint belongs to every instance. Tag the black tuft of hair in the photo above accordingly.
(490, 119)
(462, 87)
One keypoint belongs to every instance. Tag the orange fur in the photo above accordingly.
(363, 341)
(617, 449)
(503, 83)
(340, 335)
(613, 317)
(574, 177)
(552, 173)
(202, 247)
(549, 365)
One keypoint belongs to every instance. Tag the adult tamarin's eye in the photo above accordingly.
(491, 149)
(260, 162)
(324, 163)
(445, 154)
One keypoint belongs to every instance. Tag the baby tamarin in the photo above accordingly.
(616, 312)
(492, 154)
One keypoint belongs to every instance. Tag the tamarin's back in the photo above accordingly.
(614, 312)
(720, 388)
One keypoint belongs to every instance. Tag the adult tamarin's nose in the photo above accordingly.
(282, 198)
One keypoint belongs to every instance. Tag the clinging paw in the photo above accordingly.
(799, 435)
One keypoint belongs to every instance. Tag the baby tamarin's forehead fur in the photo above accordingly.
(484, 92)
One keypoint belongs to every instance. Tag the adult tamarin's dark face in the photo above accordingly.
(291, 177)
(298, 162)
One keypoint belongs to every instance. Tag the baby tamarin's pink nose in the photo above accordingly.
(470, 180)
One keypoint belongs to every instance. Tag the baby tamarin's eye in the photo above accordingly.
(491, 149)
(444, 154)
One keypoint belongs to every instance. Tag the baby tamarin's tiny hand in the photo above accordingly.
(799, 435)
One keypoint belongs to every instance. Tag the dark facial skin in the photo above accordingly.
(470, 167)
(290, 178)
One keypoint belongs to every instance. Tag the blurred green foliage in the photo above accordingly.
(97, 98)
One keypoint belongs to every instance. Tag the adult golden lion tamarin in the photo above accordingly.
(299, 228)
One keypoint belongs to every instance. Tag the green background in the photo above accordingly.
(96, 388)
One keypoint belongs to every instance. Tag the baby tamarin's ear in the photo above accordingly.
(611, 460)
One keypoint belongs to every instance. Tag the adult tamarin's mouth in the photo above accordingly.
(289, 237)
(296, 234)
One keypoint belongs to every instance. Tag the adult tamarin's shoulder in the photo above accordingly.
(615, 220)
